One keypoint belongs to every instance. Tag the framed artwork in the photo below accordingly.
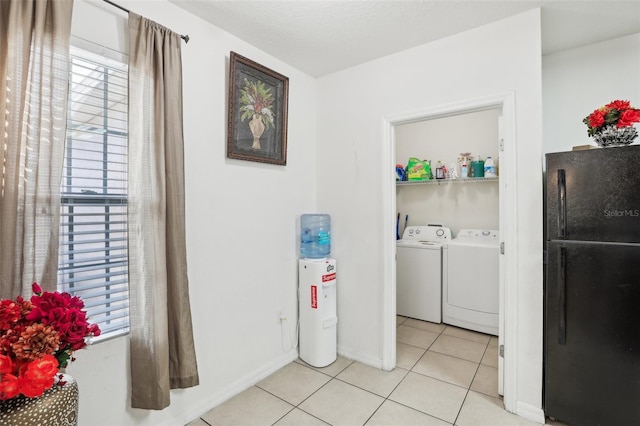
(257, 112)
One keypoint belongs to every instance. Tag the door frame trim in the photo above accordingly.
(508, 229)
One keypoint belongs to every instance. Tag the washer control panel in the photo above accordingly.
(433, 233)
(479, 234)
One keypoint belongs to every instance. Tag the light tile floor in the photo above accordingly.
(444, 376)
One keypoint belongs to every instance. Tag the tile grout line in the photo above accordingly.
(470, 384)
(442, 353)
(384, 399)
(478, 364)
(331, 378)
(387, 398)
(421, 356)
(293, 407)
(424, 375)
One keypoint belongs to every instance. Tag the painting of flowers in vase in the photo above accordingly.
(257, 113)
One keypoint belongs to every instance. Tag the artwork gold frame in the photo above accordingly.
(257, 112)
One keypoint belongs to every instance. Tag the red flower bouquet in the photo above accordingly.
(617, 113)
(37, 337)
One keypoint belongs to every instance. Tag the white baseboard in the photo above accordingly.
(233, 389)
(530, 412)
(348, 353)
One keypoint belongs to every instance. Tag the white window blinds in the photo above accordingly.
(93, 223)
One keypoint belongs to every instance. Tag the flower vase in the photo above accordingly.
(58, 406)
(611, 136)
(257, 128)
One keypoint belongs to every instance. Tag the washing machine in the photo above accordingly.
(471, 281)
(419, 272)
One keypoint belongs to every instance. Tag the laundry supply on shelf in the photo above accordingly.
(463, 164)
(439, 170)
(477, 167)
(418, 169)
(490, 168)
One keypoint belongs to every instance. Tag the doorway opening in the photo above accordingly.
(504, 104)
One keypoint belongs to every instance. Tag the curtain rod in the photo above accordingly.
(184, 37)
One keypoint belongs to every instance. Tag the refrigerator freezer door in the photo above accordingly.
(594, 195)
(592, 333)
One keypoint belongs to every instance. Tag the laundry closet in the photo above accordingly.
(453, 216)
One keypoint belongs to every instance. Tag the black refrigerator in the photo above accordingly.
(592, 287)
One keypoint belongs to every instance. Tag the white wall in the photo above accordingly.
(241, 228)
(352, 107)
(577, 81)
(455, 204)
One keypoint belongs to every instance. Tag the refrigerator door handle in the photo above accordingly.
(562, 204)
(562, 296)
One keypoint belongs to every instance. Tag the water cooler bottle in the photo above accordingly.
(317, 293)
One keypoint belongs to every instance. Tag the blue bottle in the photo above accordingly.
(315, 236)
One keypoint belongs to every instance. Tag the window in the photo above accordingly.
(93, 222)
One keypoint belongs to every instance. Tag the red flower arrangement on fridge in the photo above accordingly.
(618, 113)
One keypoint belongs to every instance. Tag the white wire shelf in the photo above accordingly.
(446, 181)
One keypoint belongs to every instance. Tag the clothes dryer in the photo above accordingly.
(419, 272)
(471, 281)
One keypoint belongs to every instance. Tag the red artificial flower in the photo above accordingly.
(42, 369)
(73, 326)
(10, 337)
(32, 389)
(9, 313)
(47, 307)
(6, 365)
(628, 117)
(25, 306)
(596, 119)
(37, 376)
(94, 330)
(36, 341)
(9, 386)
(618, 104)
(35, 287)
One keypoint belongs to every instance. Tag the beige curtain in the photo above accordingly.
(162, 347)
(34, 62)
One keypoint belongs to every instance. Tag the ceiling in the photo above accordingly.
(320, 37)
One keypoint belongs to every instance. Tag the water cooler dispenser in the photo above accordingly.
(317, 292)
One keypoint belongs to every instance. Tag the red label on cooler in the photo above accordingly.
(328, 277)
(314, 297)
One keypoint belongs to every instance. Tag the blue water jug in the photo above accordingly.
(315, 236)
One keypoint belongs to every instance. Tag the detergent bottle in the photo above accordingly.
(489, 168)
(439, 170)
